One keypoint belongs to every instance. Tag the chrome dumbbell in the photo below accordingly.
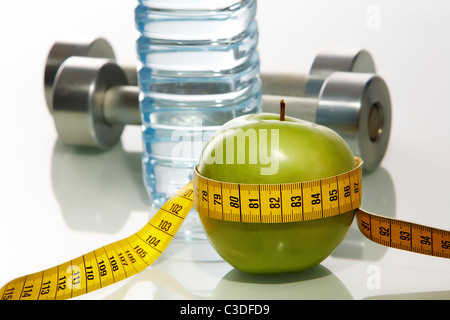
(92, 99)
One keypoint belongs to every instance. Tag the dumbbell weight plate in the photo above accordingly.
(358, 107)
(327, 61)
(79, 91)
(61, 50)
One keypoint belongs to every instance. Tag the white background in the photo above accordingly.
(57, 203)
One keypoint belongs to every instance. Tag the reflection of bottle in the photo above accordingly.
(199, 68)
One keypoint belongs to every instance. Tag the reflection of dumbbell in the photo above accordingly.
(91, 99)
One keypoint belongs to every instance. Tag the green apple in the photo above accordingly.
(284, 151)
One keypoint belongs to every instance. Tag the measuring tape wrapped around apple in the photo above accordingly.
(266, 186)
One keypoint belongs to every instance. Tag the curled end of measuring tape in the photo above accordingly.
(109, 264)
(278, 203)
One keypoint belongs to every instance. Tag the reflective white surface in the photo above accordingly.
(59, 202)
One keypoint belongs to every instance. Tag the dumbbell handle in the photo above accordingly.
(121, 105)
(283, 84)
(273, 83)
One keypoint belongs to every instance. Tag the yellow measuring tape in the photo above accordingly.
(276, 203)
(245, 203)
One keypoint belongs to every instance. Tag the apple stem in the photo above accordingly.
(282, 109)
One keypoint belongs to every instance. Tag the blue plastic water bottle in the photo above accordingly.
(199, 68)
